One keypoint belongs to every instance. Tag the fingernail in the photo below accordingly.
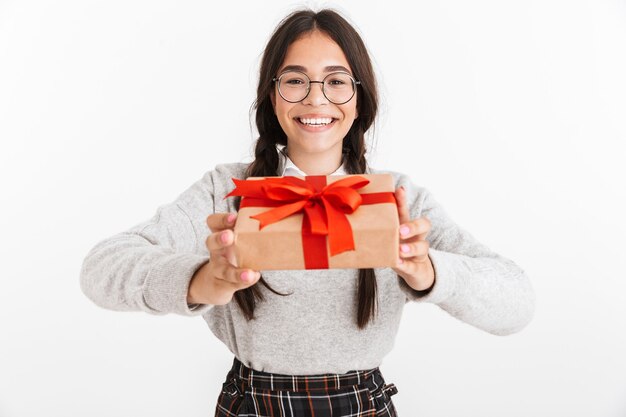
(224, 237)
(404, 248)
(404, 230)
(231, 217)
(244, 276)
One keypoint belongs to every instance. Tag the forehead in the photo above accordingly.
(315, 51)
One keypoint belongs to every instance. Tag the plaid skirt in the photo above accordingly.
(250, 393)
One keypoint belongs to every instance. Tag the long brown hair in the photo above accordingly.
(271, 134)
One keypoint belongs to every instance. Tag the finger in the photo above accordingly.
(221, 221)
(241, 277)
(247, 277)
(230, 255)
(403, 208)
(415, 228)
(402, 265)
(418, 250)
(410, 265)
(216, 242)
(418, 228)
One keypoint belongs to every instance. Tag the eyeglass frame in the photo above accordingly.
(355, 82)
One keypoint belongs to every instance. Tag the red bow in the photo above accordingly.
(324, 206)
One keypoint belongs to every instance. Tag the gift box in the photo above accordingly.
(316, 222)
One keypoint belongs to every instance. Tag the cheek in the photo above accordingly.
(350, 109)
(282, 112)
(350, 112)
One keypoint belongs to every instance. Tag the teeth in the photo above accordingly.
(316, 121)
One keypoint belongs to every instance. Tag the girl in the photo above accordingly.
(305, 342)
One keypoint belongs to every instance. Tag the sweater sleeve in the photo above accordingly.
(472, 283)
(149, 266)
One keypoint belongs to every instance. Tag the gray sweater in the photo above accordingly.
(313, 330)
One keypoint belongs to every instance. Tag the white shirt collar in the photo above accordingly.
(286, 167)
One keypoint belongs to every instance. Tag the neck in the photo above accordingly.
(316, 164)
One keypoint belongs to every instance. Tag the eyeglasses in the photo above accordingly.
(337, 87)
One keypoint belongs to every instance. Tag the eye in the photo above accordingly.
(339, 81)
(336, 81)
(293, 79)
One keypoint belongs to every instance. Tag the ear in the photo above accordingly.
(273, 98)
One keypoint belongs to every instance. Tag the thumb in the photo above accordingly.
(403, 208)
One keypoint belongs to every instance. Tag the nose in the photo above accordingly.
(316, 96)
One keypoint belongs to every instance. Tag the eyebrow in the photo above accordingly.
(330, 68)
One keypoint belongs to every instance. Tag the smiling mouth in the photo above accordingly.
(319, 121)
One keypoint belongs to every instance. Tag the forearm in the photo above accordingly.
(127, 273)
(490, 293)
(146, 268)
(472, 282)
(194, 294)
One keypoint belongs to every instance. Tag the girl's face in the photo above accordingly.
(316, 55)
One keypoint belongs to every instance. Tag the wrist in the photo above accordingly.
(432, 279)
(195, 284)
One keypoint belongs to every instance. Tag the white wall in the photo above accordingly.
(512, 113)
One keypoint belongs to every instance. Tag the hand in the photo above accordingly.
(217, 280)
(414, 264)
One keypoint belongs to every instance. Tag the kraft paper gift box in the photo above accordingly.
(316, 222)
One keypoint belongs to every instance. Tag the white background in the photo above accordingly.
(511, 113)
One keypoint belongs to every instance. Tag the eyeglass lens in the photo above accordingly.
(294, 86)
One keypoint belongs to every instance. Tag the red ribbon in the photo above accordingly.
(325, 207)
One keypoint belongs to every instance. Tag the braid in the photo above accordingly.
(354, 150)
(265, 164)
(266, 159)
